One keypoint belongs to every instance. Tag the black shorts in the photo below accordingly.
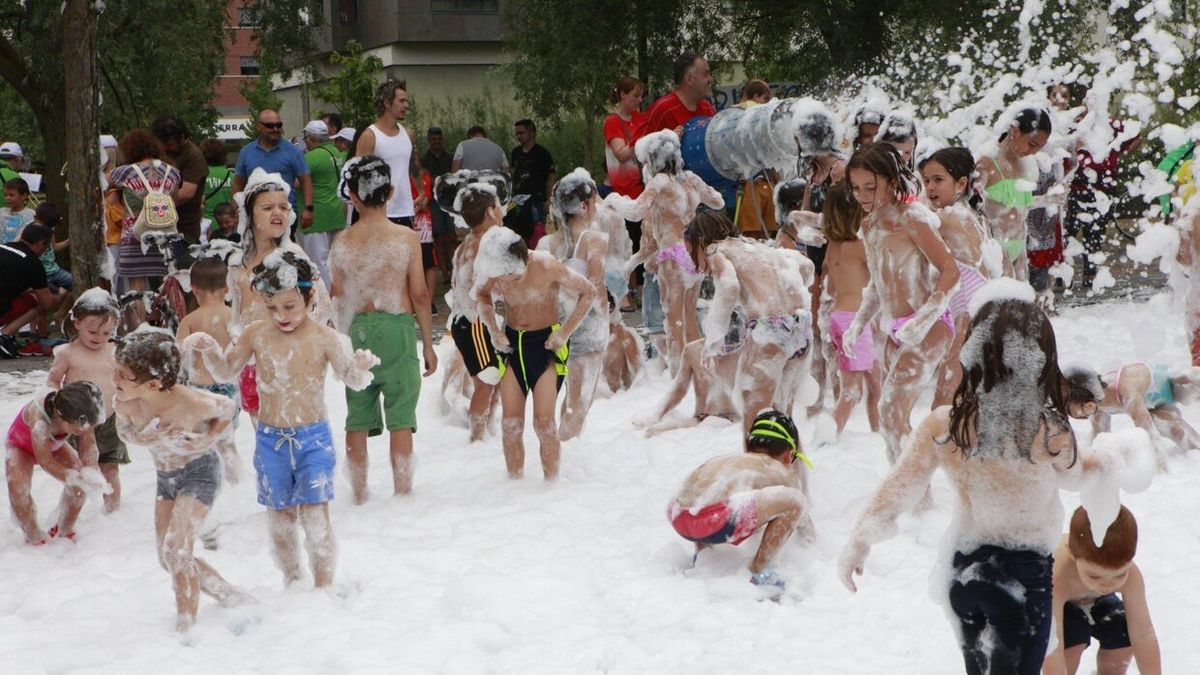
(401, 220)
(529, 358)
(428, 259)
(474, 343)
(1104, 620)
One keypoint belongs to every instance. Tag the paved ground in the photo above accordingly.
(1133, 282)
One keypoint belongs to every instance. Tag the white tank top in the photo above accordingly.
(397, 152)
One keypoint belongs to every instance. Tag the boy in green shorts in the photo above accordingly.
(375, 255)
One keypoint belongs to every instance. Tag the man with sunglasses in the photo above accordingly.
(274, 155)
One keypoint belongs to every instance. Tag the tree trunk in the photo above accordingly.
(82, 133)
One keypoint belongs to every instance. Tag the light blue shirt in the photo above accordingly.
(283, 159)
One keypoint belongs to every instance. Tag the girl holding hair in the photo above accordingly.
(949, 175)
(582, 249)
(912, 277)
(1006, 446)
(1008, 176)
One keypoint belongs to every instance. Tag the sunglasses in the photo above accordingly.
(272, 125)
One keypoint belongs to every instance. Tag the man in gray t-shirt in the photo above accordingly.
(477, 153)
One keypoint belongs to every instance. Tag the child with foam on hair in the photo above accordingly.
(1007, 447)
(41, 435)
(846, 276)
(181, 427)
(1088, 576)
(294, 454)
(1147, 392)
(532, 340)
(727, 499)
(479, 206)
(90, 357)
(373, 255)
(209, 278)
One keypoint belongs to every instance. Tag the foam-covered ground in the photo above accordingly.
(475, 573)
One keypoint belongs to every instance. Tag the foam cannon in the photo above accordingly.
(737, 143)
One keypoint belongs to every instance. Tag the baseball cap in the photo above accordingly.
(10, 149)
(346, 134)
(316, 128)
(108, 141)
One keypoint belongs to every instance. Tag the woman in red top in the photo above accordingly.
(623, 173)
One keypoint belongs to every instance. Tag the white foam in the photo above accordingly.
(1001, 289)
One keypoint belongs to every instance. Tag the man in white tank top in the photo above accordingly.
(390, 141)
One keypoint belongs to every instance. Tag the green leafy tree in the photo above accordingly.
(351, 89)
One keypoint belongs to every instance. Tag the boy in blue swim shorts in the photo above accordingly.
(294, 455)
(532, 342)
(378, 287)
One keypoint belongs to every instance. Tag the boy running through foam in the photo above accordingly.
(375, 254)
(294, 456)
(181, 427)
(534, 343)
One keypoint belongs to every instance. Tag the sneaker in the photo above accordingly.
(33, 348)
(8, 347)
(768, 577)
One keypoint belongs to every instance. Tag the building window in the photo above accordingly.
(249, 65)
(465, 6)
(348, 11)
(247, 17)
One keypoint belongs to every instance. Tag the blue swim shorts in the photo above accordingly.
(294, 465)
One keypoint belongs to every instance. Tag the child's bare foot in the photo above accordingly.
(53, 534)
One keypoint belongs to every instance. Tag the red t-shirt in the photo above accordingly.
(1101, 173)
(669, 112)
(624, 177)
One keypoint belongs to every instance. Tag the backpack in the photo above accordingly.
(158, 209)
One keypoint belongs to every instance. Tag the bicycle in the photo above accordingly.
(166, 306)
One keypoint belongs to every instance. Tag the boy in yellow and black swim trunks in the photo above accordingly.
(533, 343)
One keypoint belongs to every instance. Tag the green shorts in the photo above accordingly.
(112, 448)
(392, 338)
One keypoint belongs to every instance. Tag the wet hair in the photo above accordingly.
(214, 152)
(80, 402)
(959, 163)
(18, 184)
(527, 123)
(385, 93)
(772, 433)
(1119, 545)
(625, 84)
(683, 63)
(1082, 385)
(1029, 120)
(92, 302)
(283, 270)
(35, 233)
(568, 196)
(1008, 318)
(475, 205)
(150, 354)
(755, 87)
(842, 215)
(476, 131)
(250, 243)
(707, 228)
(789, 196)
(369, 177)
(48, 215)
(167, 127)
(224, 209)
(884, 161)
(896, 128)
(138, 145)
(210, 274)
(518, 249)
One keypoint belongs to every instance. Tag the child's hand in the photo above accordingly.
(431, 361)
(556, 340)
(849, 339)
(201, 342)
(500, 342)
(910, 333)
(363, 359)
(808, 227)
(90, 480)
(851, 562)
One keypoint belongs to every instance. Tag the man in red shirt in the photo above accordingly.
(693, 86)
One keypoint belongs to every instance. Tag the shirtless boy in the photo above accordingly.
(479, 206)
(533, 341)
(294, 455)
(181, 427)
(1087, 579)
(729, 498)
(375, 254)
(89, 358)
(208, 277)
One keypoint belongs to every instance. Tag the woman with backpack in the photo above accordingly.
(144, 180)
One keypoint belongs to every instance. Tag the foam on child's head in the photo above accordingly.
(283, 270)
(1083, 382)
(499, 255)
(1119, 544)
(659, 153)
(455, 191)
(369, 178)
(80, 402)
(259, 181)
(571, 191)
(94, 302)
(814, 128)
(150, 353)
(789, 196)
